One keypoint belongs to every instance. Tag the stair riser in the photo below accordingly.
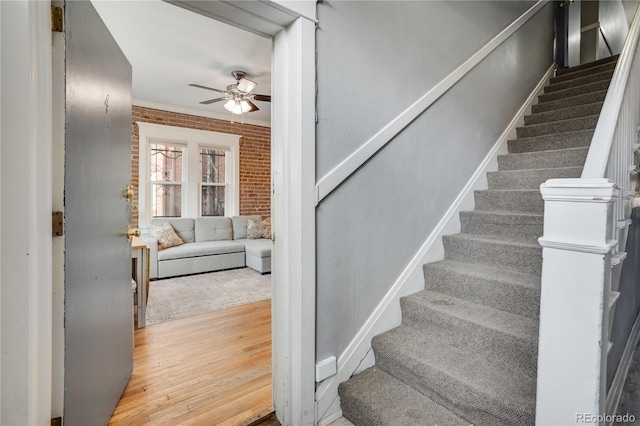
(497, 255)
(513, 350)
(579, 74)
(563, 114)
(452, 394)
(526, 230)
(551, 142)
(574, 91)
(509, 297)
(529, 179)
(591, 66)
(580, 81)
(543, 160)
(588, 98)
(529, 202)
(572, 125)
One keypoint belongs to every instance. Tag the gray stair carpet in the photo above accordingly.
(466, 351)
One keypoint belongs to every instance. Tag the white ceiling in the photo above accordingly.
(169, 47)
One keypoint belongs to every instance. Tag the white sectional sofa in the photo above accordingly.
(210, 244)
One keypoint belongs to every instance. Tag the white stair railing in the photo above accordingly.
(585, 228)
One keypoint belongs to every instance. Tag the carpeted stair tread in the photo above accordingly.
(564, 113)
(493, 251)
(499, 288)
(549, 159)
(515, 200)
(515, 225)
(551, 142)
(586, 98)
(581, 73)
(588, 65)
(579, 81)
(373, 397)
(529, 179)
(507, 337)
(562, 126)
(574, 91)
(475, 387)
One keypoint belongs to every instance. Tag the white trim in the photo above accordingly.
(188, 137)
(342, 171)
(293, 212)
(617, 385)
(387, 314)
(198, 113)
(577, 247)
(26, 197)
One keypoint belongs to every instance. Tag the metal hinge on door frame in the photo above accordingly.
(57, 224)
(57, 19)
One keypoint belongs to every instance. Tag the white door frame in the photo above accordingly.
(25, 213)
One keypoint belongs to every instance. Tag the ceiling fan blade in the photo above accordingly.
(207, 88)
(210, 101)
(245, 85)
(263, 98)
(252, 105)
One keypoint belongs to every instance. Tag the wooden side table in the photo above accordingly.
(140, 259)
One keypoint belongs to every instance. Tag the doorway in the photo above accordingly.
(294, 47)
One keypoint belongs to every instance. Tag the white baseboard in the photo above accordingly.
(358, 355)
(617, 385)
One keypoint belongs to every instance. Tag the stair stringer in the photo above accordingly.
(358, 355)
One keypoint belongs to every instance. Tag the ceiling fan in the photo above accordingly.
(238, 96)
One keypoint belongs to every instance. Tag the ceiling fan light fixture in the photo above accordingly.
(237, 106)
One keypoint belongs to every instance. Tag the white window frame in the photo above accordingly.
(194, 140)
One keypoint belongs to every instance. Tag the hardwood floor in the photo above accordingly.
(210, 369)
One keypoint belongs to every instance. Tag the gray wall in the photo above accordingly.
(614, 25)
(374, 60)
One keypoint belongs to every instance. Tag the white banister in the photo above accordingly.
(585, 230)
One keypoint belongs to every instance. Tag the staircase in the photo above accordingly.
(466, 351)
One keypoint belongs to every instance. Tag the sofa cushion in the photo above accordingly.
(213, 228)
(165, 235)
(240, 225)
(182, 225)
(259, 248)
(197, 249)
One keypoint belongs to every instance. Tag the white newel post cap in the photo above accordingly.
(575, 213)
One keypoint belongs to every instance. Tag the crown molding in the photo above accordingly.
(192, 111)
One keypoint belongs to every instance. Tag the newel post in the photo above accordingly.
(574, 306)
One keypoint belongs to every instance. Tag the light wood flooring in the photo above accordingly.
(209, 369)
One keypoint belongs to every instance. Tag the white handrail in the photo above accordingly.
(355, 160)
(598, 156)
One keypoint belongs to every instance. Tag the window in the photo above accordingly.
(167, 179)
(187, 173)
(212, 182)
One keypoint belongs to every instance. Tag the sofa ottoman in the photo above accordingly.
(258, 254)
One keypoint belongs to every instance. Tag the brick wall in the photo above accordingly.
(255, 155)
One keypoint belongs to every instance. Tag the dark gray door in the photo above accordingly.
(98, 317)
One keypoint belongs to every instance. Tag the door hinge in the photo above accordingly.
(57, 19)
(57, 224)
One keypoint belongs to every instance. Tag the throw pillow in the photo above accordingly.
(259, 229)
(165, 235)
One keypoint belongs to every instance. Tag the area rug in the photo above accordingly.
(181, 297)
